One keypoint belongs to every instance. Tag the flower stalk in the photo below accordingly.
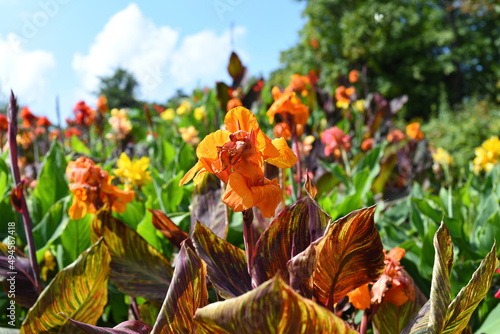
(12, 115)
(248, 237)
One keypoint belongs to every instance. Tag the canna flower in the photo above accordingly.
(28, 118)
(367, 144)
(134, 171)
(159, 109)
(442, 157)
(102, 104)
(72, 132)
(190, 135)
(43, 121)
(236, 156)
(184, 108)
(288, 105)
(395, 136)
(314, 43)
(54, 134)
(120, 123)
(233, 103)
(335, 139)
(25, 138)
(487, 155)
(92, 189)
(394, 286)
(299, 84)
(84, 115)
(200, 113)
(359, 105)
(307, 144)
(282, 129)
(413, 131)
(48, 265)
(353, 76)
(168, 114)
(4, 123)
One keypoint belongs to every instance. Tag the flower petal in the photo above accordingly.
(77, 210)
(267, 197)
(191, 173)
(207, 148)
(286, 158)
(360, 297)
(241, 118)
(266, 147)
(397, 253)
(238, 196)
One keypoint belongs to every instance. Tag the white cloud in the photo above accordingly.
(132, 41)
(23, 71)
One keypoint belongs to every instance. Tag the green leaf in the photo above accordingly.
(226, 264)
(76, 238)
(79, 290)
(462, 307)
(52, 184)
(187, 293)
(79, 147)
(137, 268)
(288, 235)
(207, 207)
(492, 322)
(441, 289)
(349, 255)
(4, 177)
(133, 215)
(273, 307)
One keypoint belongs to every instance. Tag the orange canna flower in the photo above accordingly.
(92, 189)
(360, 297)
(299, 84)
(233, 103)
(43, 121)
(72, 132)
(413, 131)
(236, 156)
(102, 104)
(28, 118)
(314, 43)
(282, 129)
(395, 136)
(288, 105)
(353, 76)
(367, 144)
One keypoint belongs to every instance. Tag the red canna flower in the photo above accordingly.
(29, 119)
(43, 121)
(395, 136)
(84, 115)
(4, 123)
(72, 132)
(236, 156)
(335, 139)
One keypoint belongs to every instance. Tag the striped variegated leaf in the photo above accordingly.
(226, 264)
(79, 291)
(273, 307)
(186, 294)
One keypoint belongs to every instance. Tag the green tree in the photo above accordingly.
(120, 89)
(423, 48)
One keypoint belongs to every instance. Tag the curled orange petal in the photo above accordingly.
(286, 158)
(238, 195)
(267, 197)
(360, 297)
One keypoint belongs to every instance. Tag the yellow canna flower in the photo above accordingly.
(134, 171)
(442, 157)
(200, 113)
(48, 265)
(487, 155)
(359, 105)
(184, 108)
(120, 123)
(168, 114)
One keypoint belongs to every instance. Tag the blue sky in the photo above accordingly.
(61, 47)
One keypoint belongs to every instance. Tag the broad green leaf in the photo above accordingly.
(273, 307)
(392, 319)
(76, 238)
(464, 304)
(78, 146)
(187, 293)
(147, 230)
(349, 255)
(288, 235)
(441, 289)
(4, 177)
(137, 268)
(52, 184)
(127, 327)
(226, 264)
(79, 290)
(133, 215)
(208, 208)
(492, 322)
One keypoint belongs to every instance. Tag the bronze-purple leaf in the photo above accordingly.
(127, 327)
(350, 254)
(289, 234)
(167, 227)
(226, 264)
(273, 307)
(186, 294)
(137, 268)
